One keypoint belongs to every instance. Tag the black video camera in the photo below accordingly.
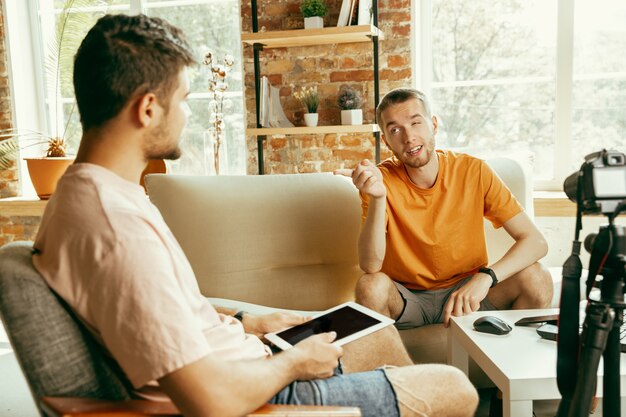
(600, 184)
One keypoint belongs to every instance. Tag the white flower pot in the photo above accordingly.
(352, 117)
(315, 22)
(310, 119)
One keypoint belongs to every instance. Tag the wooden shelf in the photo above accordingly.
(22, 206)
(308, 37)
(306, 130)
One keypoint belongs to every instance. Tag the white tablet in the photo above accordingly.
(350, 320)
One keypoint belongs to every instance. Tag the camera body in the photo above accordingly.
(601, 182)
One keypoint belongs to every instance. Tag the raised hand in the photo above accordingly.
(367, 178)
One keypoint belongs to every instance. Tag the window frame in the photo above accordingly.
(26, 69)
(422, 79)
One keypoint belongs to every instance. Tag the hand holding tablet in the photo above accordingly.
(349, 320)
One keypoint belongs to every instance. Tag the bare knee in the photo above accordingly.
(537, 285)
(372, 291)
(438, 390)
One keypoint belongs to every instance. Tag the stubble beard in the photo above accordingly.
(157, 146)
(422, 160)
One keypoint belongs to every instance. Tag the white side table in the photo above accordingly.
(521, 364)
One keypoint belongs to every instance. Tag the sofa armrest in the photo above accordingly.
(87, 407)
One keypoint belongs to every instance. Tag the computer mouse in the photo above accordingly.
(491, 324)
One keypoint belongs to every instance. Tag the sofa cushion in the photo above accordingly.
(286, 241)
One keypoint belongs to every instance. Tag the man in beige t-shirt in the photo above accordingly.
(104, 248)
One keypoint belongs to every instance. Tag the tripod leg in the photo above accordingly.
(611, 379)
(598, 323)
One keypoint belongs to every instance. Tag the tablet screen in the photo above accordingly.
(345, 321)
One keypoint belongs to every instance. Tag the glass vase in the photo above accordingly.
(216, 154)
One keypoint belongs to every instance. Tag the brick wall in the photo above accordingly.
(8, 177)
(12, 228)
(329, 67)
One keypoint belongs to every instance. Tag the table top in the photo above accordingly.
(518, 358)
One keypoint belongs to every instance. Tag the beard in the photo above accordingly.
(428, 151)
(158, 144)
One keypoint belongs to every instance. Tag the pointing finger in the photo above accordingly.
(345, 172)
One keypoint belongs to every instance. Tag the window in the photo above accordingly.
(208, 24)
(543, 80)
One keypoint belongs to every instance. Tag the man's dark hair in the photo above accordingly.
(400, 95)
(124, 56)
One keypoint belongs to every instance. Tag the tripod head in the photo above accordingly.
(599, 187)
(600, 183)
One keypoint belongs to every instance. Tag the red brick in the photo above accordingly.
(397, 60)
(277, 143)
(271, 8)
(354, 49)
(395, 16)
(330, 141)
(347, 63)
(274, 157)
(307, 168)
(352, 155)
(399, 4)
(307, 142)
(275, 79)
(350, 141)
(360, 75)
(14, 229)
(388, 74)
(401, 30)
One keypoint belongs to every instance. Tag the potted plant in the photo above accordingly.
(310, 98)
(45, 171)
(349, 102)
(313, 12)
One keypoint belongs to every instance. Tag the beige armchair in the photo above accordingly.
(68, 373)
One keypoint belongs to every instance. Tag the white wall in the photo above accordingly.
(559, 232)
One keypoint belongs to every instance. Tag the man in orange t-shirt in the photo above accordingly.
(422, 243)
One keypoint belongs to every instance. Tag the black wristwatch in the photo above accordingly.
(239, 315)
(492, 274)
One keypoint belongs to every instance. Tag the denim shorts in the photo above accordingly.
(423, 307)
(370, 391)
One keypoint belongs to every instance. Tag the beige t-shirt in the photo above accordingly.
(105, 249)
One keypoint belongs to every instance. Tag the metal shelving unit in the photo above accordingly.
(308, 37)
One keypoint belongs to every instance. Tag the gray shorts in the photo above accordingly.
(423, 307)
(370, 391)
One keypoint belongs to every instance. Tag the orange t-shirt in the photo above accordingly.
(435, 237)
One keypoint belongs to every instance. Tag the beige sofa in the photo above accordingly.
(289, 241)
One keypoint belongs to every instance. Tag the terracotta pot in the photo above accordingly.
(45, 173)
(155, 166)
